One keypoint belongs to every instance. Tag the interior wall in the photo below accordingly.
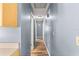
(10, 34)
(47, 34)
(39, 26)
(25, 11)
(65, 29)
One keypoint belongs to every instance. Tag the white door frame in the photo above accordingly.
(43, 28)
(32, 32)
(35, 30)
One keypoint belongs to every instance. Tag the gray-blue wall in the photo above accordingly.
(39, 29)
(25, 10)
(64, 29)
(10, 34)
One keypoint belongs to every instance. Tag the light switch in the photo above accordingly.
(77, 40)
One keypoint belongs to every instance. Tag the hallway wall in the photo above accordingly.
(10, 34)
(39, 29)
(65, 28)
(25, 11)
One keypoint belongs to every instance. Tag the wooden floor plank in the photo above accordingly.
(40, 49)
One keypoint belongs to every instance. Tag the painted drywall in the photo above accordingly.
(39, 29)
(10, 34)
(47, 34)
(25, 10)
(65, 28)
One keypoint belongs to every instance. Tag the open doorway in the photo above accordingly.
(39, 30)
(38, 46)
(36, 31)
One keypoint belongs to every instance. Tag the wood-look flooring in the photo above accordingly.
(40, 49)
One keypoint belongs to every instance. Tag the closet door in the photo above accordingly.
(10, 15)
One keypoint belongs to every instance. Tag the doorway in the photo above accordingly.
(39, 30)
(38, 46)
(36, 31)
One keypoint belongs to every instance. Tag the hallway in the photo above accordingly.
(40, 49)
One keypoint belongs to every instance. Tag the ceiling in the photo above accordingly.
(40, 5)
(39, 9)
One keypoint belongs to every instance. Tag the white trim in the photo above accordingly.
(35, 30)
(43, 29)
(32, 26)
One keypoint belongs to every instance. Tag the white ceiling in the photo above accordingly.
(39, 9)
(40, 5)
